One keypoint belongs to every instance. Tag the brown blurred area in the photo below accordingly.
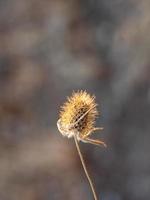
(50, 48)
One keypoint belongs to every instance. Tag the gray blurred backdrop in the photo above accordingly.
(50, 48)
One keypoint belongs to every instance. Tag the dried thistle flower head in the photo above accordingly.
(77, 117)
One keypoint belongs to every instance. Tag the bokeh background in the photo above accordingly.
(50, 48)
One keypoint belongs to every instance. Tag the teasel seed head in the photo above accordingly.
(77, 116)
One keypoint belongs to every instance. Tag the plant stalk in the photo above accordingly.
(85, 169)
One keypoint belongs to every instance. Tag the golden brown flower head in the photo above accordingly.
(77, 117)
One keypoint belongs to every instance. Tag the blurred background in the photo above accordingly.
(50, 48)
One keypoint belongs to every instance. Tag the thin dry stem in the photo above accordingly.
(85, 169)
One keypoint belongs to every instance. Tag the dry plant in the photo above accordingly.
(77, 119)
